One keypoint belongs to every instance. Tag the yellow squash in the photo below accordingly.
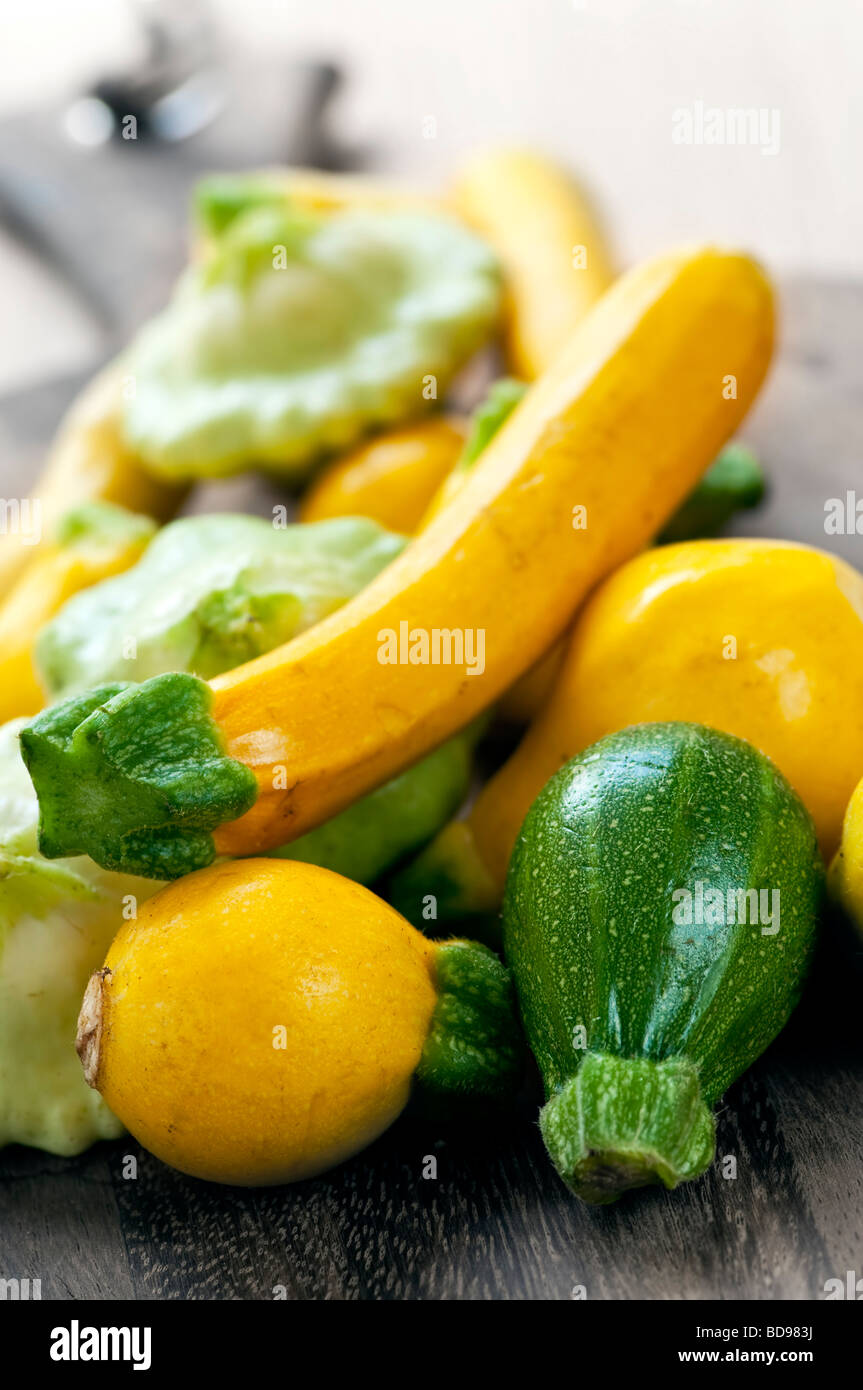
(390, 478)
(539, 223)
(59, 569)
(557, 265)
(313, 190)
(582, 475)
(321, 190)
(261, 1021)
(523, 701)
(846, 871)
(545, 235)
(763, 639)
(88, 462)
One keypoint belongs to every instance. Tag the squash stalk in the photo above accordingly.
(624, 1122)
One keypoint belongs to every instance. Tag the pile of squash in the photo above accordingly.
(238, 727)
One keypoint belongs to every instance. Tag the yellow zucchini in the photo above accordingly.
(622, 425)
(587, 469)
(321, 190)
(93, 543)
(553, 254)
(88, 462)
(219, 197)
(353, 1012)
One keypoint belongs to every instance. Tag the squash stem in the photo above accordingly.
(621, 1123)
(475, 1049)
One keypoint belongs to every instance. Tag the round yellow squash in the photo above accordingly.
(264, 1019)
(390, 478)
(846, 871)
(763, 639)
(260, 1021)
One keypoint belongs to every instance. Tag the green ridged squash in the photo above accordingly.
(644, 984)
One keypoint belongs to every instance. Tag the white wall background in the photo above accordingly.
(595, 82)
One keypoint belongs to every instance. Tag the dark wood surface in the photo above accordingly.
(496, 1223)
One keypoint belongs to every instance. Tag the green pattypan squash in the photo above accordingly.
(297, 333)
(209, 593)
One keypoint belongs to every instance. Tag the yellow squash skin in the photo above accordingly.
(321, 190)
(195, 993)
(656, 642)
(535, 217)
(56, 573)
(324, 190)
(523, 701)
(622, 425)
(390, 478)
(846, 872)
(88, 462)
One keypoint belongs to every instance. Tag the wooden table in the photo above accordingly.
(496, 1223)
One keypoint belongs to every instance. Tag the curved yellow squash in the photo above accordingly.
(322, 190)
(598, 454)
(546, 237)
(56, 573)
(88, 461)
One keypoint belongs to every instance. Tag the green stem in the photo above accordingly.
(625, 1122)
(135, 776)
(474, 1050)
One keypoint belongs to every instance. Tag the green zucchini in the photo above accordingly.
(642, 995)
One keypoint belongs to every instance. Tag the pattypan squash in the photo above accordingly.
(296, 333)
(57, 919)
(247, 586)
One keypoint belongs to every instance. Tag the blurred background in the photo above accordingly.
(91, 224)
